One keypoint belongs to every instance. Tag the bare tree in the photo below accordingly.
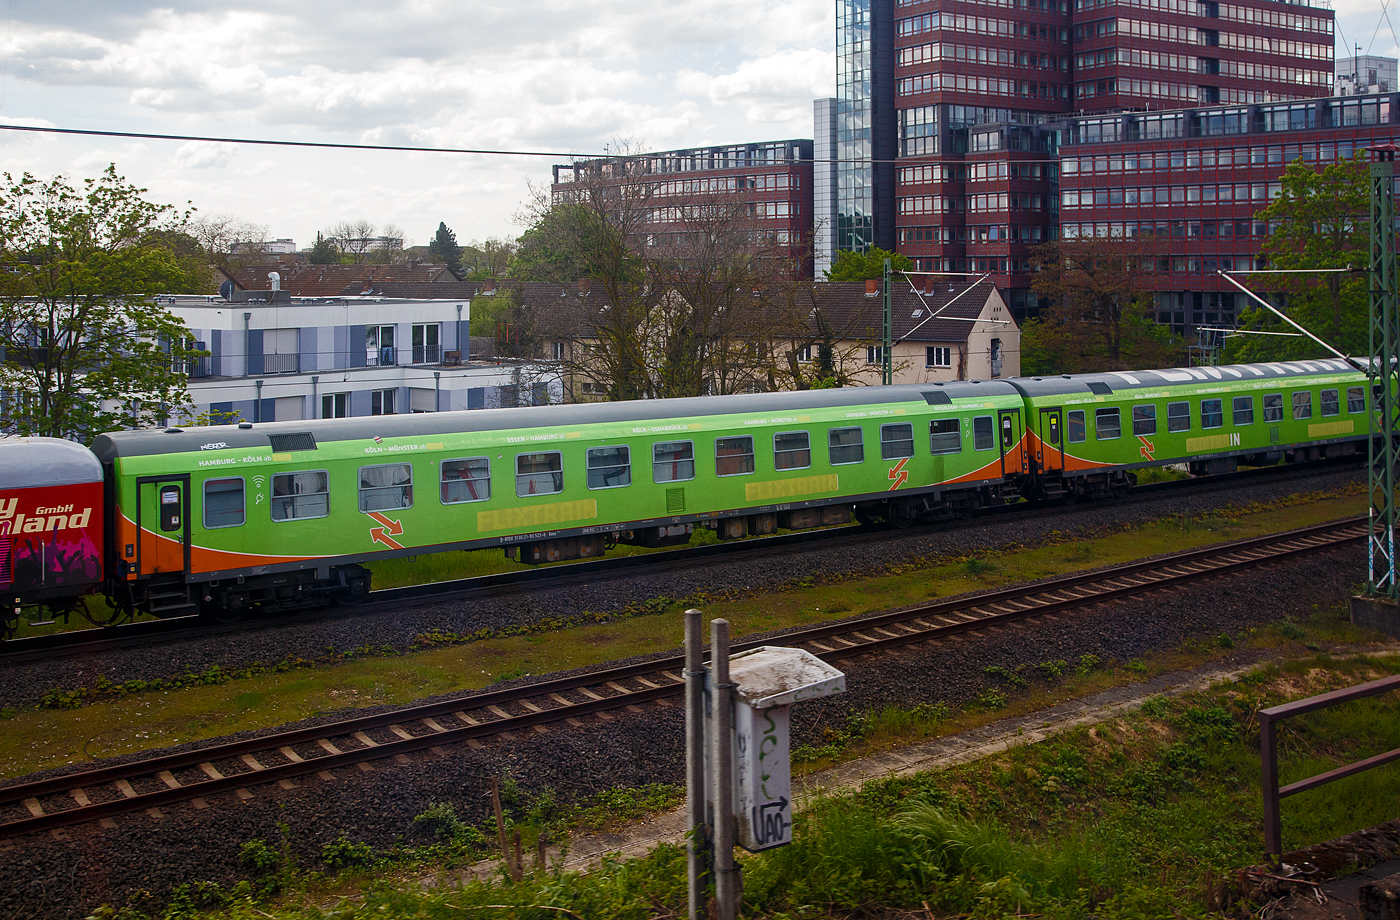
(684, 281)
(353, 238)
(229, 242)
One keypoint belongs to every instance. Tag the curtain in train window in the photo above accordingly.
(539, 474)
(672, 461)
(299, 495)
(387, 487)
(467, 480)
(733, 456)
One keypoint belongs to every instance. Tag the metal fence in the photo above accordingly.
(1268, 751)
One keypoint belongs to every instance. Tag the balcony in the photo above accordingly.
(385, 356)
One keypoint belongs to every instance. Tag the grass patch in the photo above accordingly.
(1133, 819)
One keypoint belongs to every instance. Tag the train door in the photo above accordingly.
(1009, 435)
(1050, 451)
(162, 525)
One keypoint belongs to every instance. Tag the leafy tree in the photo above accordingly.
(324, 252)
(444, 248)
(85, 349)
(1318, 221)
(865, 266)
(1099, 313)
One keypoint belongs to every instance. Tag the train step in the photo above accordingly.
(165, 601)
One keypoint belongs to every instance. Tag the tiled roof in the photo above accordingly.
(341, 280)
(566, 311)
(855, 315)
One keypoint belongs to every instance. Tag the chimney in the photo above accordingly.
(872, 287)
(276, 280)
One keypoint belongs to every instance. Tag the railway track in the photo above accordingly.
(131, 635)
(194, 777)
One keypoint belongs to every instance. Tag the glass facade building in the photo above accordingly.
(955, 117)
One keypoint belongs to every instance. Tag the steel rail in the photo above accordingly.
(831, 641)
(134, 635)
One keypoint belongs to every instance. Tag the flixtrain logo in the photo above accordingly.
(42, 518)
(898, 474)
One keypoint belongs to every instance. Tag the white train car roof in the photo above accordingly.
(1116, 381)
(27, 463)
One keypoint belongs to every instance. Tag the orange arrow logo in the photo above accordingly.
(382, 534)
(1146, 449)
(899, 475)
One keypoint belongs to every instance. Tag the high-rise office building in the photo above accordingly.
(954, 116)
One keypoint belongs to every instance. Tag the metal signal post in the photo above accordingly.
(1385, 328)
(887, 344)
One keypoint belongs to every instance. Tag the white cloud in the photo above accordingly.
(562, 75)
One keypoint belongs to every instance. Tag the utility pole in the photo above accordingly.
(1385, 326)
(887, 349)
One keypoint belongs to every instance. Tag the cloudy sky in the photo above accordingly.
(555, 75)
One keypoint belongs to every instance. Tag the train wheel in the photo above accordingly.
(901, 514)
(354, 594)
(865, 517)
(214, 612)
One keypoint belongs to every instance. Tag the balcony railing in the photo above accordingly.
(382, 357)
(281, 364)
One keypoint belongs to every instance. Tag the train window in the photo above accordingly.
(1107, 424)
(466, 480)
(1330, 404)
(672, 461)
(1178, 416)
(945, 436)
(1273, 407)
(896, 441)
(387, 487)
(223, 503)
(304, 494)
(792, 450)
(1243, 407)
(1074, 426)
(539, 474)
(609, 467)
(1302, 404)
(1356, 399)
(983, 433)
(1144, 419)
(733, 456)
(1212, 413)
(845, 445)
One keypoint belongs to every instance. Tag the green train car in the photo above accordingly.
(282, 514)
(1089, 431)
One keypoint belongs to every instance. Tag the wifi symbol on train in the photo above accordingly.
(259, 481)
